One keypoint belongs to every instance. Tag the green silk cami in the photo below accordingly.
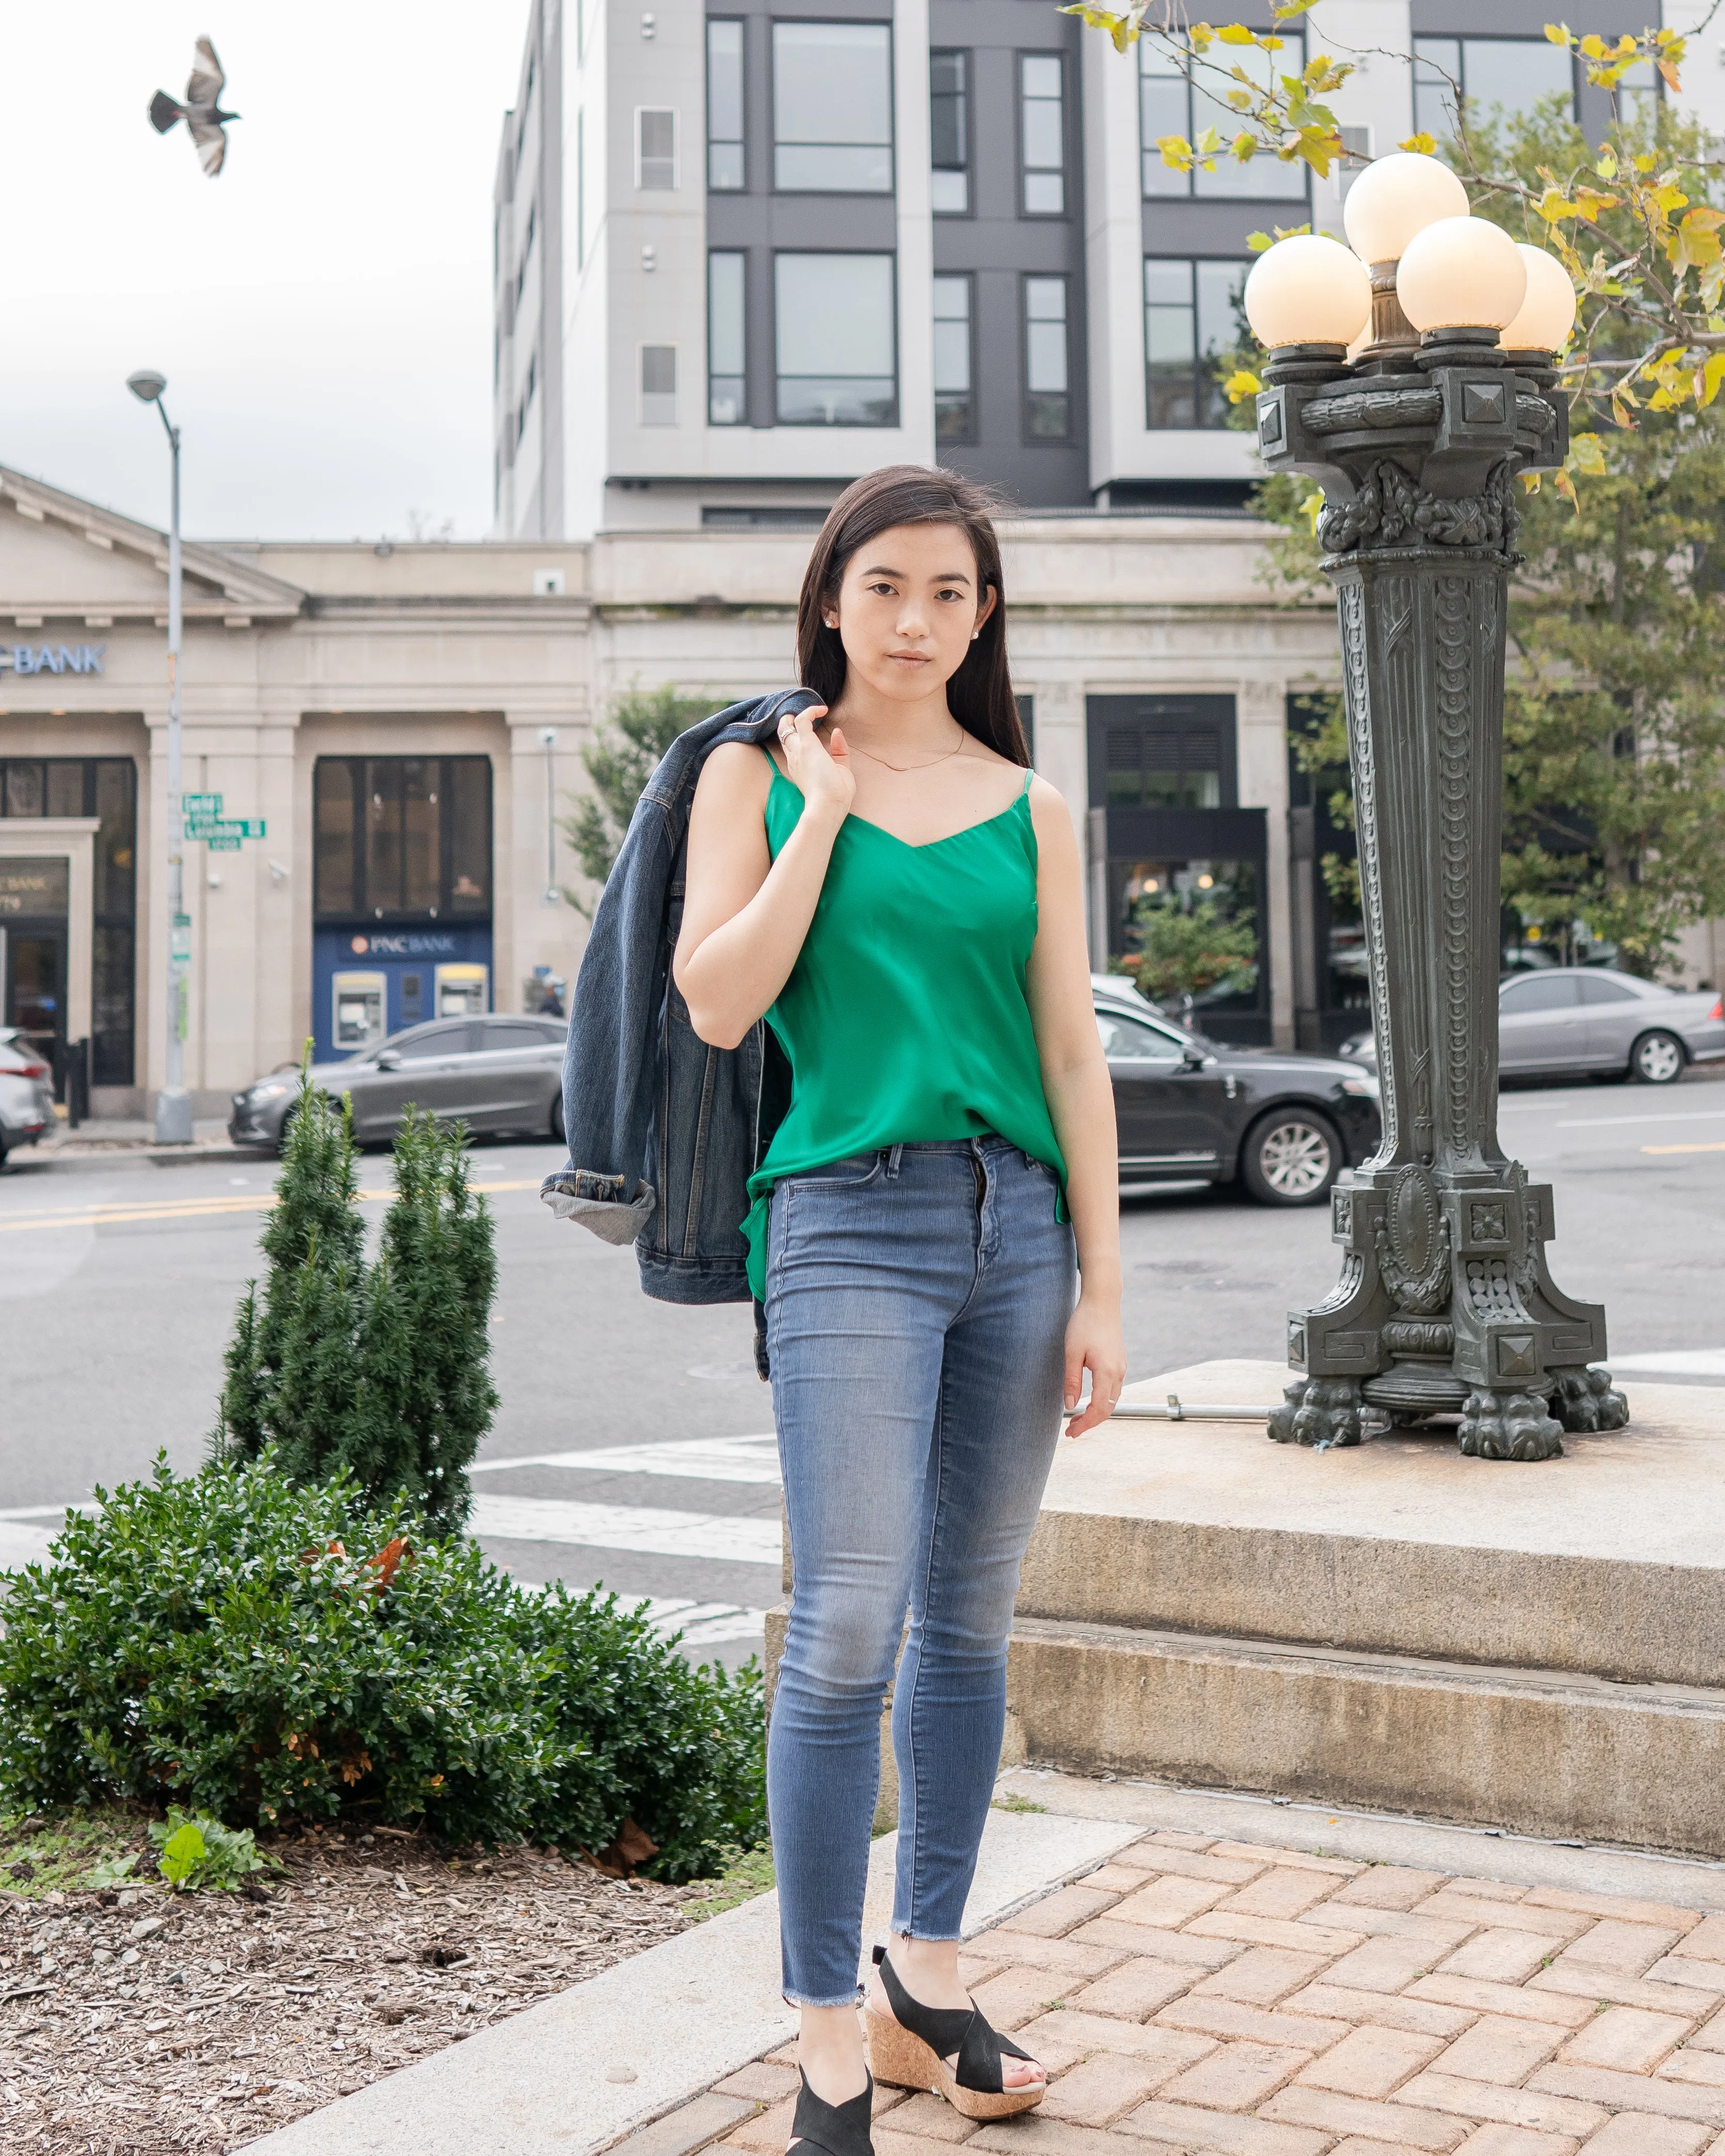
(905, 1017)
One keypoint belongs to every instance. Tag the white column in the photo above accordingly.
(915, 229)
(1263, 768)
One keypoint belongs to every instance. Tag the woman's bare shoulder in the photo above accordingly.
(735, 773)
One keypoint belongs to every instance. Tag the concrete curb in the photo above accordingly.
(677, 2018)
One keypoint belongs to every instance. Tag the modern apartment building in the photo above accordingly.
(746, 252)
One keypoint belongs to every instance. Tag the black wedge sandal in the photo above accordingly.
(839, 2129)
(912, 2050)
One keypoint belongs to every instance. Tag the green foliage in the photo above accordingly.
(380, 1371)
(254, 1649)
(1184, 953)
(1613, 754)
(746, 1873)
(620, 759)
(200, 1853)
(69, 1852)
(291, 1367)
(425, 1399)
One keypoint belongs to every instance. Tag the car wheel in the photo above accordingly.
(1291, 1157)
(557, 1118)
(1657, 1058)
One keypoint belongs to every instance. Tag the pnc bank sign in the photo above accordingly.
(51, 658)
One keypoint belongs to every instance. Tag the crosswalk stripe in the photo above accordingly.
(733, 1538)
(699, 1460)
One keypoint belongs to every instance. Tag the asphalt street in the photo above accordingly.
(632, 1445)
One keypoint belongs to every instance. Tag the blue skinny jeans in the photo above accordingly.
(917, 1308)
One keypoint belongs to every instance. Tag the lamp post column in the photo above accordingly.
(1446, 1305)
(173, 1103)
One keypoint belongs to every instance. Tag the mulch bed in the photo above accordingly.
(139, 2023)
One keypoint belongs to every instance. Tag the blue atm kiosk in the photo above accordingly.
(369, 982)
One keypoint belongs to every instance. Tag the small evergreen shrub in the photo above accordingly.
(379, 1371)
(253, 1648)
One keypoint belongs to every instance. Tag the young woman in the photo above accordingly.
(901, 897)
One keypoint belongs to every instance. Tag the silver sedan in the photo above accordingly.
(1594, 1018)
(496, 1075)
(26, 1091)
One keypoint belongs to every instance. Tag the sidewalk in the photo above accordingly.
(1199, 1973)
(99, 1142)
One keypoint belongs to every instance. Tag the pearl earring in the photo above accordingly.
(974, 635)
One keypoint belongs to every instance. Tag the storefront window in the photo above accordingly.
(402, 838)
(1191, 930)
(106, 789)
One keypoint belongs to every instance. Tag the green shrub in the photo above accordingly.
(379, 1370)
(254, 1649)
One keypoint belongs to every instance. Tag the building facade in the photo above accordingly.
(406, 722)
(745, 249)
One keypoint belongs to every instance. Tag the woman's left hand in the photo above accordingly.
(1094, 1342)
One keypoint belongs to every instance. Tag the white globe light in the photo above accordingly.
(1547, 313)
(1461, 273)
(1395, 198)
(1308, 289)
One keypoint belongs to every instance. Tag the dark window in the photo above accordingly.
(435, 1040)
(1169, 105)
(402, 838)
(1161, 752)
(1129, 1040)
(836, 332)
(658, 385)
(1541, 992)
(1494, 74)
(949, 132)
(954, 405)
(832, 108)
(655, 150)
(1048, 399)
(726, 347)
(725, 164)
(106, 789)
(1027, 720)
(1191, 322)
(517, 1034)
(1595, 988)
(1042, 134)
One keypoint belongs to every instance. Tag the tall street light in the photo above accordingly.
(1444, 1303)
(173, 1103)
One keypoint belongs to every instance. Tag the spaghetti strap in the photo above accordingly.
(1029, 774)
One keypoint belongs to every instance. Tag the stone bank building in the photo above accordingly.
(384, 712)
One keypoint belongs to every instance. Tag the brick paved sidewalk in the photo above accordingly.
(1201, 1995)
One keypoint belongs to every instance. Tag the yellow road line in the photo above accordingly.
(1718, 1146)
(196, 1208)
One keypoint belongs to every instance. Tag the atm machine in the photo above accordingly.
(463, 991)
(358, 1009)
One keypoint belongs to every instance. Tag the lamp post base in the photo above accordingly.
(1445, 1307)
(173, 1116)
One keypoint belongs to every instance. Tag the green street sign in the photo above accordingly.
(204, 804)
(223, 845)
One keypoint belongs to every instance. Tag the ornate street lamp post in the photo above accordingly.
(1444, 1303)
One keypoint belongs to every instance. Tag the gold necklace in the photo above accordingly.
(902, 767)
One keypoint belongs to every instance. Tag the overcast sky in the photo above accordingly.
(321, 310)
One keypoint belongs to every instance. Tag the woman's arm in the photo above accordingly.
(1081, 1100)
(745, 915)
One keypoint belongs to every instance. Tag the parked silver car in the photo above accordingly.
(26, 1091)
(1594, 1018)
(496, 1075)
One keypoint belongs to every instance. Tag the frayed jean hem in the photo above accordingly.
(852, 1998)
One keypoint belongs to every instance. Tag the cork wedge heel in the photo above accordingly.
(911, 2050)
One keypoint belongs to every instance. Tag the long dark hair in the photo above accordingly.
(979, 694)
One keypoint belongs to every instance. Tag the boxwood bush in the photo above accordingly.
(259, 1651)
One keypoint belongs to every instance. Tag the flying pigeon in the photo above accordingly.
(201, 111)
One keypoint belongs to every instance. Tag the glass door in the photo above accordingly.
(34, 997)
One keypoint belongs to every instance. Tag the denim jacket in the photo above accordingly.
(664, 1131)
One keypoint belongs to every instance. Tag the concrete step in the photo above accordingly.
(1534, 1750)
